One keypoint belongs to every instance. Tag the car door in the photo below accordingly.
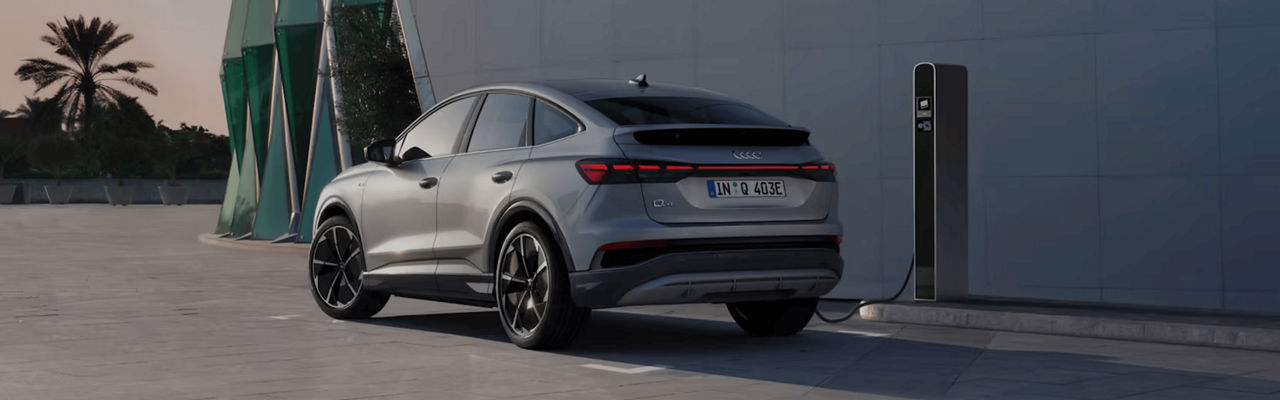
(399, 204)
(475, 185)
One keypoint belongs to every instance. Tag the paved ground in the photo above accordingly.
(124, 303)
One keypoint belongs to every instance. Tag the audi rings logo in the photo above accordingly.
(748, 155)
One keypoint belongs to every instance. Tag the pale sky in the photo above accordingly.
(183, 38)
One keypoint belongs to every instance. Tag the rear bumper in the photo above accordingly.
(709, 275)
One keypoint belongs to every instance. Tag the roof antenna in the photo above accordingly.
(639, 80)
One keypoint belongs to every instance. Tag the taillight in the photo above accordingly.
(606, 171)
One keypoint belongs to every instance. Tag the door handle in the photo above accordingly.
(428, 183)
(502, 177)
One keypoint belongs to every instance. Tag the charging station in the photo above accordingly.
(941, 186)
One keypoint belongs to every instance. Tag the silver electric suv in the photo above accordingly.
(549, 199)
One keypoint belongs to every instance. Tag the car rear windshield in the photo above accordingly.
(681, 110)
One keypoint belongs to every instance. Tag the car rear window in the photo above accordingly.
(681, 110)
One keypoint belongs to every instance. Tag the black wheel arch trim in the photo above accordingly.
(514, 207)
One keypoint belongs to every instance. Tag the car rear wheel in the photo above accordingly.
(773, 318)
(336, 272)
(532, 290)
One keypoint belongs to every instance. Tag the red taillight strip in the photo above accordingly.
(747, 167)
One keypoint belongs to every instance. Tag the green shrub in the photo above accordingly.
(379, 98)
(55, 154)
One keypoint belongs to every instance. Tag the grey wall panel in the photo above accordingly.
(575, 31)
(578, 70)
(755, 78)
(1249, 62)
(1157, 103)
(652, 29)
(833, 92)
(1250, 215)
(447, 85)
(1048, 236)
(907, 21)
(1182, 298)
(807, 23)
(1248, 12)
(447, 31)
(677, 71)
(1160, 233)
(896, 224)
(507, 34)
(1021, 110)
(1120, 150)
(1260, 301)
(732, 28)
(1022, 18)
(1154, 15)
(860, 208)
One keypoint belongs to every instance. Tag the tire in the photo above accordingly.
(334, 272)
(773, 318)
(554, 322)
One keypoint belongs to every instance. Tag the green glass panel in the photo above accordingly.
(246, 203)
(297, 12)
(234, 101)
(274, 209)
(258, 66)
(260, 20)
(227, 211)
(298, 48)
(324, 162)
(235, 29)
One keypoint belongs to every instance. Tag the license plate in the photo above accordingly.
(745, 188)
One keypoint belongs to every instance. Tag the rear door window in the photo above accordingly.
(501, 123)
(550, 124)
(681, 110)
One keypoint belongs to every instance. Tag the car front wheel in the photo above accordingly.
(336, 272)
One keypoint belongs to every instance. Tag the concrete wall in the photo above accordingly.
(1121, 150)
(204, 191)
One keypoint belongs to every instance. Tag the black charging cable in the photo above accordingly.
(910, 270)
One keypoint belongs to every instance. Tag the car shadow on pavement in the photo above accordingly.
(915, 362)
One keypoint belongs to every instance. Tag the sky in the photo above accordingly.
(183, 38)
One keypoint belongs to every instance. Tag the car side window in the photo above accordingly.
(550, 124)
(437, 135)
(501, 122)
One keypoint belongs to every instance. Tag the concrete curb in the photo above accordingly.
(1106, 327)
(257, 245)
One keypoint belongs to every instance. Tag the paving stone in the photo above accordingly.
(156, 314)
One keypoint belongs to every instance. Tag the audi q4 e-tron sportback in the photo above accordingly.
(547, 200)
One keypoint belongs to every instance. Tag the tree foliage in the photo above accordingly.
(121, 137)
(55, 154)
(85, 81)
(373, 75)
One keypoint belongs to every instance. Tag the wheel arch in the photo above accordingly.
(332, 208)
(520, 210)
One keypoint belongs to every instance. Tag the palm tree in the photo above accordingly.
(84, 81)
(43, 115)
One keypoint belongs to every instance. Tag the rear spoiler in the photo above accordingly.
(723, 136)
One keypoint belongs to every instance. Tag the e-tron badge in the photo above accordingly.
(748, 155)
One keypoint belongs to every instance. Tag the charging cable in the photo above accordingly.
(910, 270)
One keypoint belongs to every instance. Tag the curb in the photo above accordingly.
(1135, 329)
(257, 245)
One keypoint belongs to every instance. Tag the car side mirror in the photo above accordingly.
(382, 151)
